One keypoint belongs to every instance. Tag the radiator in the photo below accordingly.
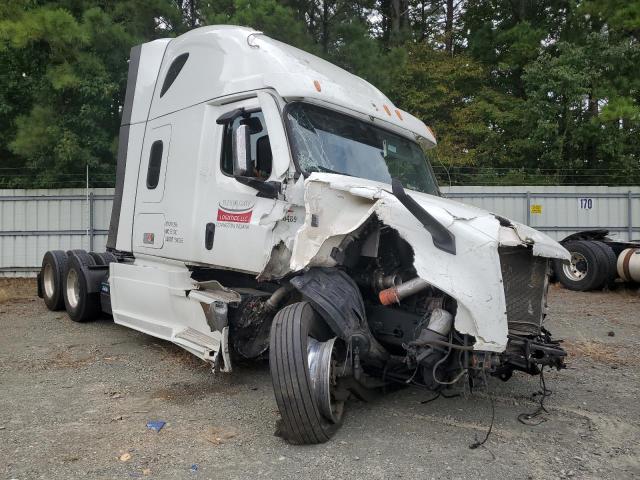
(525, 283)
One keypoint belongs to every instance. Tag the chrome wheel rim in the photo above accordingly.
(48, 280)
(73, 288)
(321, 357)
(577, 269)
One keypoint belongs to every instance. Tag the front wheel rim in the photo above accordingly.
(322, 365)
(73, 288)
(577, 269)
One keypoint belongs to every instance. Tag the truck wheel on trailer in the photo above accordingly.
(609, 262)
(302, 359)
(81, 304)
(51, 279)
(588, 269)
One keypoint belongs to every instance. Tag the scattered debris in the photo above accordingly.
(194, 468)
(146, 471)
(125, 457)
(155, 425)
(612, 333)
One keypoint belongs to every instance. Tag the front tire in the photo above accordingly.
(310, 413)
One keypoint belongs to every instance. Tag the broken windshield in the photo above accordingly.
(327, 141)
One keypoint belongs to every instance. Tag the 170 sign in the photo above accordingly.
(586, 203)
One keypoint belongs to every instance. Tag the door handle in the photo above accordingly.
(209, 233)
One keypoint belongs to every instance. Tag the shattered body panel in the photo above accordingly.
(337, 205)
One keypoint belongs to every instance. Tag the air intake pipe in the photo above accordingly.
(404, 290)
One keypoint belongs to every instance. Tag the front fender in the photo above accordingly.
(336, 297)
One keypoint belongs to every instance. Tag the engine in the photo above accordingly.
(414, 321)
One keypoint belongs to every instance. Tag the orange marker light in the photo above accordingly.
(316, 84)
(399, 114)
(386, 109)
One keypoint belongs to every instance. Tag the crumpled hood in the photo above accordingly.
(336, 205)
(448, 211)
(510, 233)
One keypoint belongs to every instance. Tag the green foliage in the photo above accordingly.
(269, 16)
(63, 88)
(523, 91)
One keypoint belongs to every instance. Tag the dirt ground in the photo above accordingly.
(75, 400)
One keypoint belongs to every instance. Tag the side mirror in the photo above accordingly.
(241, 151)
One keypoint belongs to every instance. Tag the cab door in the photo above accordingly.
(236, 221)
(148, 226)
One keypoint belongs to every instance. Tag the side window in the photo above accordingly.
(261, 157)
(155, 162)
(172, 72)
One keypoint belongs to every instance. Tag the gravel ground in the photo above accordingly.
(75, 400)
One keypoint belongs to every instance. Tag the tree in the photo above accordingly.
(517, 90)
(64, 88)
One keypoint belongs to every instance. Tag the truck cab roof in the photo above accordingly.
(213, 62)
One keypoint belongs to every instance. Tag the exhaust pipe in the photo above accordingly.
(404, 290)
(279, 295)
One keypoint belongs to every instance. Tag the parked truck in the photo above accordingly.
(269, 203)
(598, 261)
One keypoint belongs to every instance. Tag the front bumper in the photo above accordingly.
(531, 354)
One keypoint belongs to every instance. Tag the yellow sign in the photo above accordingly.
(535, 208)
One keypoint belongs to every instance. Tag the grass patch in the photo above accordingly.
(600, 352)
(17, 288)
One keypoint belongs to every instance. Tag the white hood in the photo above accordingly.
(339, 204)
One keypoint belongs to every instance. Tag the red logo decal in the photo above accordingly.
(224, 216)
(235, 211)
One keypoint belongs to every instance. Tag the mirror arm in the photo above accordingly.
(230, 116)
(265, 189)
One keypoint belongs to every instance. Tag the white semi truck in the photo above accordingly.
(270, 203)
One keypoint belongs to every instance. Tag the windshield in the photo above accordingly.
(327, 141)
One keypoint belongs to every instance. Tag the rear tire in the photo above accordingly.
(610, 261)
(81, 305)
(54, 267)
(104, 258)
(588, 269)
(302, 420)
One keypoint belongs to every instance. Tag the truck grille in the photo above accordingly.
(524, 278)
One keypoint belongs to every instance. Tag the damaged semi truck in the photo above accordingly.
(269, 203)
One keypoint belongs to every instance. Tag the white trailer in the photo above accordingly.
(271, 203)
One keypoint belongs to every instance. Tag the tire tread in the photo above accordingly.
(301, 419)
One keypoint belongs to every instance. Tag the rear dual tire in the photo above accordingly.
(592, 266)
(54, 267)
(81, 305)
(63, 283)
